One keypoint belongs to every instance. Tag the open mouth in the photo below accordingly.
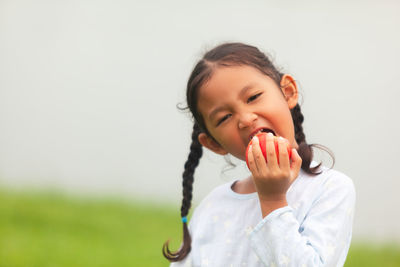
(262, 130)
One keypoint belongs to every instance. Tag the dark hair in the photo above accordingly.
(229, 54)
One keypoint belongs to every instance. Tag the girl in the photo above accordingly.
(289, 212)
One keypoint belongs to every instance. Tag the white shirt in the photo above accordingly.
(315, 229)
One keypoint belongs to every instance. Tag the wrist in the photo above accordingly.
(269, 204)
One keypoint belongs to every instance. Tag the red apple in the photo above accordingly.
(262, 141)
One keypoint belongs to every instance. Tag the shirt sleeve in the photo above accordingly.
(322, 239)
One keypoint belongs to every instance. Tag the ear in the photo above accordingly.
(289, 89)
(209, 143)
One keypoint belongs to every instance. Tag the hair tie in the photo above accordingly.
(184, 219)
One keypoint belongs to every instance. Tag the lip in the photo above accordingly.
(258, 129)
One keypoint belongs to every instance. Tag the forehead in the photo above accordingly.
(226, 83)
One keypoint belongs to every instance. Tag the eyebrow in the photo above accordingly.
(218, 109)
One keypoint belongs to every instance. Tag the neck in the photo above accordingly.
(245, 186)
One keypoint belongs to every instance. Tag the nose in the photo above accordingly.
(246, 119)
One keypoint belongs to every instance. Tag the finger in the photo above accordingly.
(252, 163)
(272, 160)
(258, 157)
(295, 166)
(283, 154)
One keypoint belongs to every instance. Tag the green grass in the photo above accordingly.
(50, 230)
(368, 255)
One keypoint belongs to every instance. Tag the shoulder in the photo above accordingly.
(219, 194)
(334, 183)
(336, 179)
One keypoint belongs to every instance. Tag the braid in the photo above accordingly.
(195, 154)
(305, 150)
(298, 119)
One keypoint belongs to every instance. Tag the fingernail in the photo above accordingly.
(255, 139)
(270, 134)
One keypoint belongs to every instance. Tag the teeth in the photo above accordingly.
(261, 131)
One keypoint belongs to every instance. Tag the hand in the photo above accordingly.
(271, 179)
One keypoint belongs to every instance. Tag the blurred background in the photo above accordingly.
(91, 138)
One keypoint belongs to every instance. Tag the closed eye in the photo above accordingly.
(254, 97)
(223, 118)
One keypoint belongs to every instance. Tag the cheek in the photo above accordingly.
(283, 119)
(233, 144)
(280, 114)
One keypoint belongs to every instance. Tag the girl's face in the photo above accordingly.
(237, 101)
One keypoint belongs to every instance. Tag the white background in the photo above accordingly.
(88, 93)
